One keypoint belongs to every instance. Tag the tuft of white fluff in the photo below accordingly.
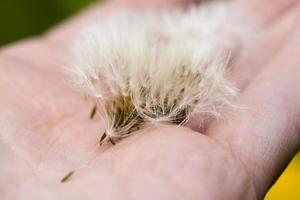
(159, 67)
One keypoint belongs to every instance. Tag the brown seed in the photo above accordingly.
(67, 176)
(112, 141)
(93, 112)
(102, 138)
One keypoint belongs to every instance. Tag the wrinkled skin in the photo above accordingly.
(45, 130)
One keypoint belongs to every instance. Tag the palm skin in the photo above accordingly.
(45, 130)
(56, 135)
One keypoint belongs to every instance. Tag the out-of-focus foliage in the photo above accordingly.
(23, 18)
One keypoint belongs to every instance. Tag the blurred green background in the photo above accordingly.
(24, 18)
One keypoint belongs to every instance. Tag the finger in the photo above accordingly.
(265, 47)
(64, 32)
(156, 3)
(265, 135)
(256, 56)
(266, 11)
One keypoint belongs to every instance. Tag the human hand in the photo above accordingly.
(45, 130)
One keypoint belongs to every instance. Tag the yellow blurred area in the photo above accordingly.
(288, 185)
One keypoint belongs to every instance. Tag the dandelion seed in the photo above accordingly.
(112, 141)
(102, 138)
(93, 112)
(67, 176)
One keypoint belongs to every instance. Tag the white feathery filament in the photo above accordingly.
(159, 67)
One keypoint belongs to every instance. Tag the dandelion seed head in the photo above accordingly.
(159, 68)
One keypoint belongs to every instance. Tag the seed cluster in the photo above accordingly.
(158, 68)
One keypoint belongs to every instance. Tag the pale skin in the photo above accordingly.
(46, 132)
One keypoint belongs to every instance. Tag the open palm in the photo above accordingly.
(45, 130)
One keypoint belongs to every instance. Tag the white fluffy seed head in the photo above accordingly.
(159, 67)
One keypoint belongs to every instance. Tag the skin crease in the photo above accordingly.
(45, 130)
